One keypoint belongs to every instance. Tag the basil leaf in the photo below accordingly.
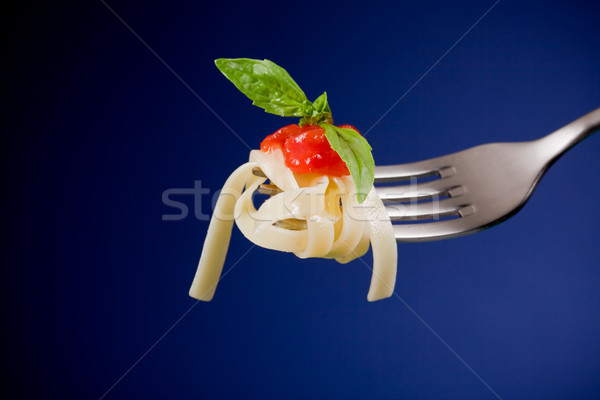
(320, 104)
(317, 112)
(265, 83)
(355, 151)
(308, 109)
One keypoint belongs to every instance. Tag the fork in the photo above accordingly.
(473, 189)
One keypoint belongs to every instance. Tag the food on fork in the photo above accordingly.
(322, 200)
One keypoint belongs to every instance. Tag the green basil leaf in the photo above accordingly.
(317, 112)
(355, 151)
(308, 109)
(320, 104)
(265, 83)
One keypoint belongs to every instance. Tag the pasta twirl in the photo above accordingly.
(337, 226)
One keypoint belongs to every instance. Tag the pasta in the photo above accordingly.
(337, 226)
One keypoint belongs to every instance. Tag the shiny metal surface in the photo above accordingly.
(473, 189)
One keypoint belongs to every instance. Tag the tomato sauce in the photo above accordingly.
(306, 150)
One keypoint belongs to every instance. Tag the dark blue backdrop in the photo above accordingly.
(97, 127)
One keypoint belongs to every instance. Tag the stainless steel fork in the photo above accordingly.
(473, 189)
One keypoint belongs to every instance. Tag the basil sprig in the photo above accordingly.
(271, 88)
(316, 112)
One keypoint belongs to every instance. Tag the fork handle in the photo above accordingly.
(557, 143)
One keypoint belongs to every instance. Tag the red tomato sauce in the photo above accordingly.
(306, 150)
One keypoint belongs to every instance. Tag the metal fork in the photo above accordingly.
(473, 189)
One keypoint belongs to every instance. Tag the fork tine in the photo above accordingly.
(268, 189)
(408, 193)
(439, 230)
(427, 210)
(420, 169)
(402, 172)
(421, 191)
(256, 171)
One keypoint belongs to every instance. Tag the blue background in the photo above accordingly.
(97, 128)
